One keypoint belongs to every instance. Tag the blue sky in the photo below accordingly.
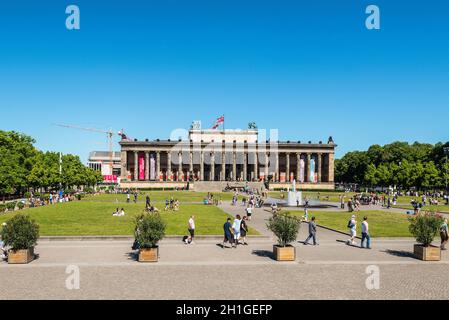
(308, 68)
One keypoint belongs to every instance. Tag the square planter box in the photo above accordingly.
(284, 254)
(149, 255)
(21, 256)
(430, 253)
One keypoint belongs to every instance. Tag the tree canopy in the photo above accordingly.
(400, 164)
(22, 166)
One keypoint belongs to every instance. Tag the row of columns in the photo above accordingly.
(307, 168)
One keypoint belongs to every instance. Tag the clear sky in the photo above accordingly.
(308, 68)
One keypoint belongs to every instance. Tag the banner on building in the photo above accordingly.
(302, 167)
(141, 166)
(312, 170)
(153, 173)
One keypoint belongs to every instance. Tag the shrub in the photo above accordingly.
(2, 208)
(11, 205)
(88, 190)
(20, 233)
(20, 205)
(27, 195)
(425, 226)
(285, 228)
(150, 229)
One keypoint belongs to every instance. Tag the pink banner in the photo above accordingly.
(141, 166)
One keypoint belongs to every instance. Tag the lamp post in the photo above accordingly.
(446, 153)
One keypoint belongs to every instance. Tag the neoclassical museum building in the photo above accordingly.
(209, 160)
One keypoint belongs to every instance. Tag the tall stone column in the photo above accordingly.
(191, 162)
(234, 166)
(256, 166)
(168, 165)
(223, 165)
(331, 168)
(124, 166)
(277, 167)
(136, 166)
(179, 166)
(320, 155)
(245, 166)
(158, 165)
(298, 166)
(267, 158)
(287, 169)
(202, 166)
(147, 166)
(212, 166)
(308, 168)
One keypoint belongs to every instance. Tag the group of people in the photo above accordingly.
(119, 213)
(171, 205)
(236, 231)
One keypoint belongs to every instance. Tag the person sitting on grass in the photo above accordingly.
(116, 213)
(120, 214)
(167, 205)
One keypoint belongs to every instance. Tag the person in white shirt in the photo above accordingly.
(237, 229)
(192, 228)
(365, 234)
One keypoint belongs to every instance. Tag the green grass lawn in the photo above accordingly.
(382, 224)
(95, 219)
(161, 196)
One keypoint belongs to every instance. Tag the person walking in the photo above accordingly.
(192, 228)
(444, 235)
(352, 225)
(312, 232)
(244, 230)
(365, 234)
(228, 233)
(128, 197)
(237, 226)
(136, 195)
(148, 202)
(306, 213)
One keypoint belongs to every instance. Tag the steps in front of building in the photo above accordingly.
(218, 186)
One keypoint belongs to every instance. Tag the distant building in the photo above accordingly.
(214, 156)
(100, 161)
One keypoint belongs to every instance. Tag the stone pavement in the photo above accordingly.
(108, 270)
(332, 270)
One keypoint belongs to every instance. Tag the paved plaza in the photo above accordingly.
(332, 270)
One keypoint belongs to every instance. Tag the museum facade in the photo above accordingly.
(228, 156)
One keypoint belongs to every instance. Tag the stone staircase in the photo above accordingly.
(218, 186)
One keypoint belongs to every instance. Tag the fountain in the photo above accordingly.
(294, 197)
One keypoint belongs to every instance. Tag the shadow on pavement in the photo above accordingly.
(263, 254)
(400, 253)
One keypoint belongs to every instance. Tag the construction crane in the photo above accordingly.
(110, 135)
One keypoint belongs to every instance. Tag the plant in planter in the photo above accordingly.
(286, 228)
(150, 229)
(424, 227)
(21, 234)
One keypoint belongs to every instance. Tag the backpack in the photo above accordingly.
(350, 224)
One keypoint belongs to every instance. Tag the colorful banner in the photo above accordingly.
(110, 178)
(152, 168)
(141, 166)
(302, 166)
(312, 171)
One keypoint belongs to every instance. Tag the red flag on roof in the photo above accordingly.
(218, 122)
